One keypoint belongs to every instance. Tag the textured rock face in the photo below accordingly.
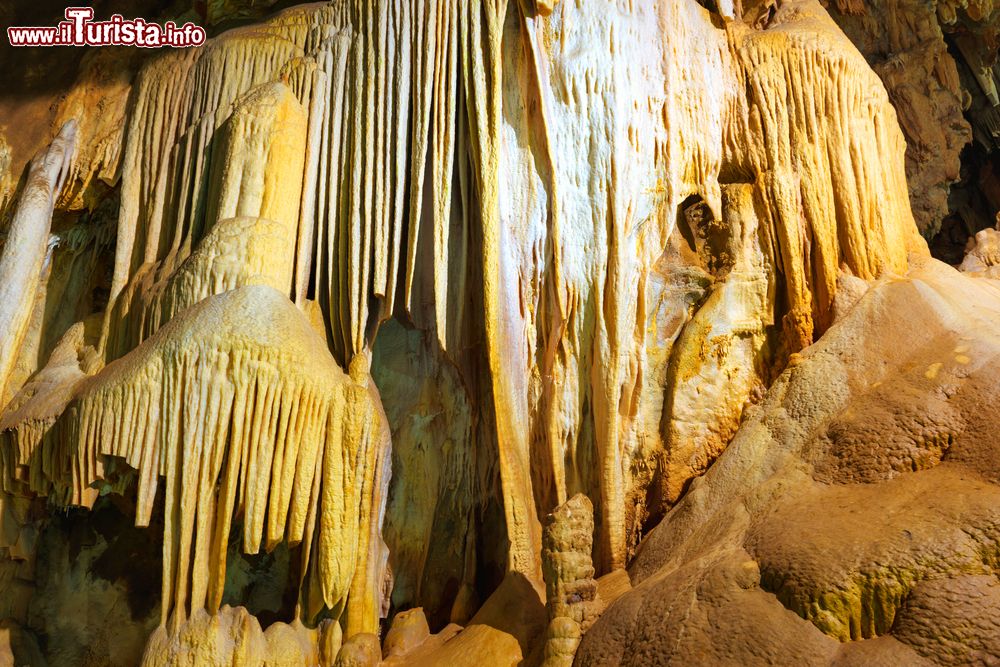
(25, 250)
(391, 282)
(906, 46)
(937, 62)
(983, 254)
(570, 588)
(853, 510)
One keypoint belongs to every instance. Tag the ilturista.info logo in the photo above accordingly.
(79, 29)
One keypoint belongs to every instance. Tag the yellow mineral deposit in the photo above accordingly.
(22, 261)
(395, 282)
(239, 406)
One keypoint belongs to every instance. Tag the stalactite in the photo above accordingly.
(420, 95)
(236, 252)
(25, 250)
(360, 199)
(829, 205)
(239, 406)
(27, 425)
(481, 25)
(594, 216)
(181, 101)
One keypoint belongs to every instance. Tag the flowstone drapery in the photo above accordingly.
(392, 280)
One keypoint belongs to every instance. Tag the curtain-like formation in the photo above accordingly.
(591, 216)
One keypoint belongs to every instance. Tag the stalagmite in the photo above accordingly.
(571, 592)
(983, 254)
(234, 637)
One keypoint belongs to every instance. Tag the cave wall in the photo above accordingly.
(379, 285)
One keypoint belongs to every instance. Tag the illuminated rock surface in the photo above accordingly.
(339, 307)
(853, 514)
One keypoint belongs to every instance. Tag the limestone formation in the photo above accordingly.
(418, 331)
(361, 650)
(232, 637)
(27, 247)
(239, 405)
(982, 254)
(236, 252)
(570, 588)
(905, 44)
(409, 630)
(859, 496)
